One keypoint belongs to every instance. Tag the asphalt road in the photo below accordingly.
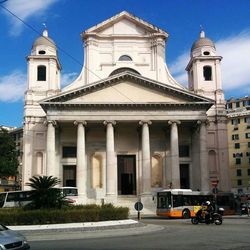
(233, 234)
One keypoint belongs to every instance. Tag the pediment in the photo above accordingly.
(126, 92)
(125, 23)
(126, 88)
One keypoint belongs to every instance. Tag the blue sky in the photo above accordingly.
(226, 22)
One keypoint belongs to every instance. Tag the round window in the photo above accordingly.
(41, 52)
(206, 53)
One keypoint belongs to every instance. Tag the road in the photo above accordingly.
(233, 234)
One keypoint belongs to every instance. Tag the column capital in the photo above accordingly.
(145, 121)
(53, 122)
(170, 122)
(205, 122)
(84, 123)
(107, 122)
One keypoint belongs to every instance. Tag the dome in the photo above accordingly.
(44, 40)
(202, 41)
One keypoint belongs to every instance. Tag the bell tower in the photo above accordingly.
(204, 78)
(44, 67)
(204, 69)
(43, 78)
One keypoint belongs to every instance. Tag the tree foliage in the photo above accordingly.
(8, 156)
(44, 195)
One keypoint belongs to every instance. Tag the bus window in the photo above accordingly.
(177, 200)
(70, 192)
(2, 199)
(12, 196)
(164, 200)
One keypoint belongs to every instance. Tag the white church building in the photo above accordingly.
(125, 127)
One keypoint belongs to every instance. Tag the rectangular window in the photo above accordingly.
(237, 161)
(41, 73)
(183, 150)
(247, 135)
(246, 103)
(238, 172)
(69, 176)
(247, 120)
(235, 121)
(229, 105)
(248, 171)
(235, 137)
(237, 104)
(239, 182)
(69, 152)
(248, 144)
(237, 145)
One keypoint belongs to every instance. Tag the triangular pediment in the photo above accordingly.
(126, 88)
(124, 23)
(126, 92)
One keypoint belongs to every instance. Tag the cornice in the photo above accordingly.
(182, 106)
(138, 79)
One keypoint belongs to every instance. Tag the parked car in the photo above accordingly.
(12, 240)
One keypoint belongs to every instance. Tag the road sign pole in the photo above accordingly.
(138, 215)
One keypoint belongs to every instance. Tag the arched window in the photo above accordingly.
(125, 58)
(41, 73)
(207, 73)
(120, 70)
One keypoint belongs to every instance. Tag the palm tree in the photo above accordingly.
(44, 195)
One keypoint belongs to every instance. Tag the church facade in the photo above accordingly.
(125, 127)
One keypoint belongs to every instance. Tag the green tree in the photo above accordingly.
(44, 195)
(8, 156)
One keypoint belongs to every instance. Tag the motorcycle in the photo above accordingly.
(206, 218)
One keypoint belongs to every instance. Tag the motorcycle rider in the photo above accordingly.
(209, 211)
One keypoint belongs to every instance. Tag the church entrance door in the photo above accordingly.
(126, 166)
(184, 175)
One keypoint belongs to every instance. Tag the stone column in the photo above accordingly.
(111, 168)
(174, 154)
(81, 167)
(50, 149)
(203, 156)
(146, 158)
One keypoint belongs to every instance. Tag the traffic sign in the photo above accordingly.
(138, 206)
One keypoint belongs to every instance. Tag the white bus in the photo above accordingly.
(184, 203)
(15, 198)
(22, 198)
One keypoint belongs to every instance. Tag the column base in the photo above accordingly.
(110, 198)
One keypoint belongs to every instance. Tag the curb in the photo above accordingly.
(83, 225)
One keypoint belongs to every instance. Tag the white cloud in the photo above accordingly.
(12, 87)
(177, 68)
(25, 9)
(235, 66)
(67, 78)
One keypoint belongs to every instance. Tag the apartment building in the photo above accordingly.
(238, 113)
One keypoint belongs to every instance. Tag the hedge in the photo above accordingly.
(87, 213)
